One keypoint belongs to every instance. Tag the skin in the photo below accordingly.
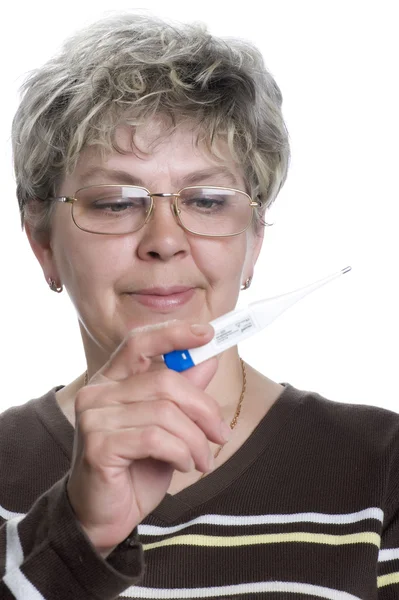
(97, 271)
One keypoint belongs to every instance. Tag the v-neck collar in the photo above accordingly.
(173, 507)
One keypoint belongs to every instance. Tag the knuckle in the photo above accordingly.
(165, 410)
(151, 437)
(94, 447)
(82, 399)
(199, 443)
(182, 452)
(86, 420)
(165, 382)
(211, 407)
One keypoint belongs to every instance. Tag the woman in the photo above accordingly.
(146, 156)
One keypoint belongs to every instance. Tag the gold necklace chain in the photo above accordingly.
(234, 420)
(236, 414)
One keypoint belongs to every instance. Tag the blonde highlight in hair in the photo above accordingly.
(128, 69)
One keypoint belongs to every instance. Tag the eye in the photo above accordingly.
(204, 203)
(118, 204)
(104, 202)
(112, 206)
(205, 200)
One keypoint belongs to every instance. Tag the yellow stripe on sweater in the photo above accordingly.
(367, 537)
(384, 580)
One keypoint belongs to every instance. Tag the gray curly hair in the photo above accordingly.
(127, 69)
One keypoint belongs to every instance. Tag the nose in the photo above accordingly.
(162, 238)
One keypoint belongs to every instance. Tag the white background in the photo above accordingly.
(337, 66)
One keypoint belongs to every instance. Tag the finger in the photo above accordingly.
(142, 345)
(150, 387)
(162, 413)
(118, 449)
(201, 375)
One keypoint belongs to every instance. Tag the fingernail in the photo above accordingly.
(200, 329)
(225, 431)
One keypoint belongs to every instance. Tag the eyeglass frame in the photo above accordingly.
(175, 209)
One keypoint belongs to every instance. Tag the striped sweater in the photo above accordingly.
(307, 508)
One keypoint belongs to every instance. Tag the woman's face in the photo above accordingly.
(109, 278)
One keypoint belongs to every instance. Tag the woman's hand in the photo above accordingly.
(136, 422)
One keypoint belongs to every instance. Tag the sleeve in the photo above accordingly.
(46, 555)
(388, 559)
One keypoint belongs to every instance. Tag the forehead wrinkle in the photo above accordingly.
(110, 175)
(209, 173)
(209, 170)
(150, 171)
(206, 176)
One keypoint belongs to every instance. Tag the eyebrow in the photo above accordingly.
(122, 177)
(115, 176)
(204, 174)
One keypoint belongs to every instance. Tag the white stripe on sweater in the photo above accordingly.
(234, 521)
(21, 587)
(7, 514)
(391, 554)
(238, 590)
(14, 552)
(14, 579)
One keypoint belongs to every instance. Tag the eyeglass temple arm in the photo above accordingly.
(66, 199)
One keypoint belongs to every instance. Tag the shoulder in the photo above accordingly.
(23, 419)
(28, 426)
(16, 422)
(355, 446)
(359, 439)
(31, 456)
(375, 426)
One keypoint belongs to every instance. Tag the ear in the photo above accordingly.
(42, 249)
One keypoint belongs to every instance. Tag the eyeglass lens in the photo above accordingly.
(123, 209)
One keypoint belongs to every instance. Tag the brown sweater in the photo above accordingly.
(307, 508)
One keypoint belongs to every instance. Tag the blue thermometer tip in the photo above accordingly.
(178, 360)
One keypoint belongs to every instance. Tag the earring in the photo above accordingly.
(53, 286)
(246, 284)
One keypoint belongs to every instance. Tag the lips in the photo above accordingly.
(164, 299)
(164, 291)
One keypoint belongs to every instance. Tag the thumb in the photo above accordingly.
(201, 375)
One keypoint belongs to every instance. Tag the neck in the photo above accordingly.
(226, 386)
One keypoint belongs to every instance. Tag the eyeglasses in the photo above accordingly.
(121, 209)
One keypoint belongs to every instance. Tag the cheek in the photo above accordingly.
(86, 260)
(220, 258)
